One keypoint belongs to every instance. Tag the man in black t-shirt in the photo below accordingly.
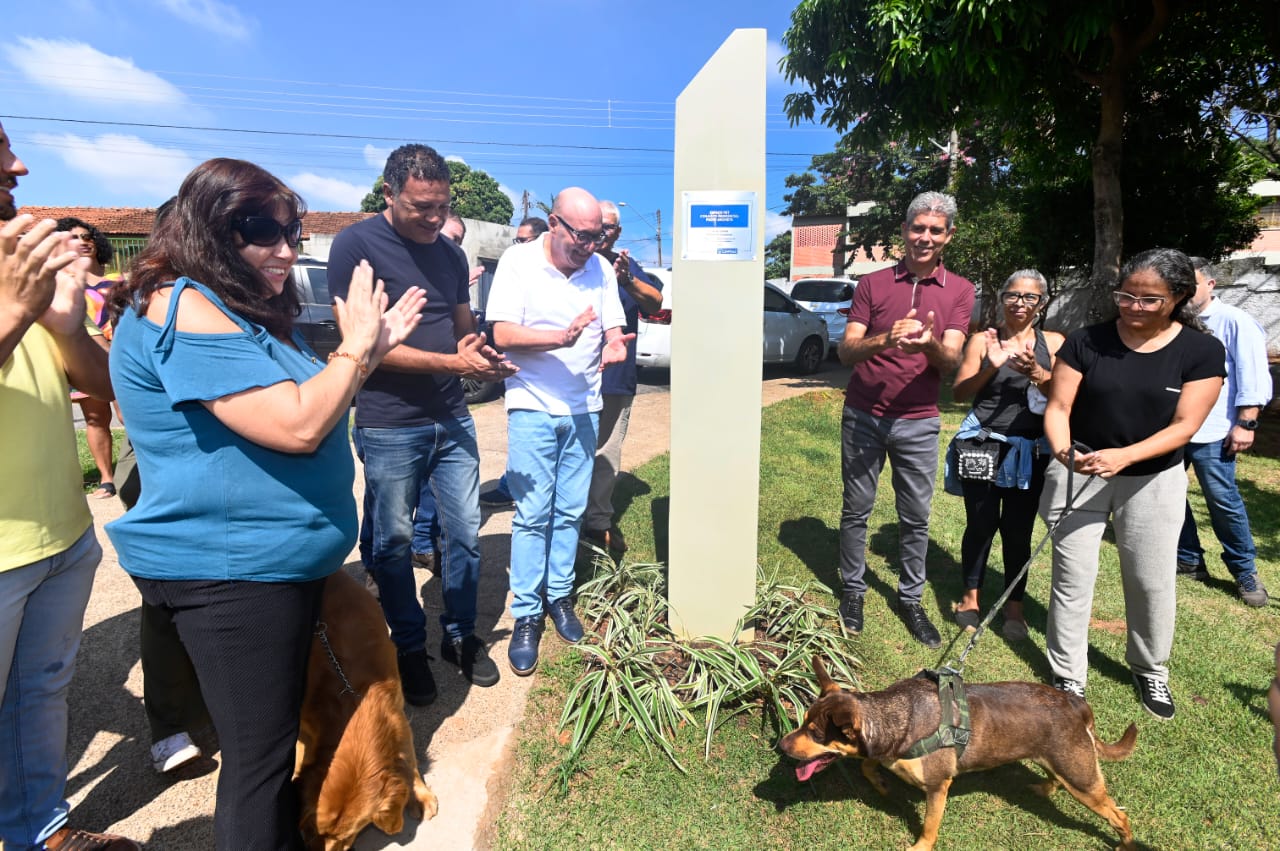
(412, 419)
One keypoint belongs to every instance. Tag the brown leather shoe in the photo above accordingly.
(69, 839)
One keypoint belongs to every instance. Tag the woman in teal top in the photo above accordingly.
(241, 438)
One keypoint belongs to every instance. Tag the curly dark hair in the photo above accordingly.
(420, 162)
(195, 239)
(1175, 269)
(102, 249)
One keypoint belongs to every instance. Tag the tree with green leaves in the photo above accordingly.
(777, 257)
(1062, 84)
(375, 201)
(478, 196)
(474, 195)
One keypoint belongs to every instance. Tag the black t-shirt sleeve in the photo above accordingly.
(344, 255)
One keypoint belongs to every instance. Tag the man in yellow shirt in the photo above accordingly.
(49, 552)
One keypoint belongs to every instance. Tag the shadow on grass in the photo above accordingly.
(844, 783)
(1252, 697)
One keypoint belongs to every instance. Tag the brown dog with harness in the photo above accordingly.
(903, 729)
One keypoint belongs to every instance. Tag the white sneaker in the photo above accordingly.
(168, 754)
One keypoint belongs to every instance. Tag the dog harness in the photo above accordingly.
(953, 730)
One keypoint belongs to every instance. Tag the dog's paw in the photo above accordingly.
(427, 802)
(1046, 788)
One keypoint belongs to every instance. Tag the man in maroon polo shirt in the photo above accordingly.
(906, 328)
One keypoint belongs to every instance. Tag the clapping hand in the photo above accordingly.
(369, 329)
(577, 326)
(997, 354)
(912, 335)
(615, 350)
(483, 361)
(28, 272)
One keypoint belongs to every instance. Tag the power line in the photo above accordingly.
(360, 137)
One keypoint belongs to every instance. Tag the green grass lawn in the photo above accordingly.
(88, 470)
(1207, 779)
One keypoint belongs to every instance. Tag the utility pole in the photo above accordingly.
(524, 205)
(659, 229)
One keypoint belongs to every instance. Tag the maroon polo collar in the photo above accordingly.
(902, 273)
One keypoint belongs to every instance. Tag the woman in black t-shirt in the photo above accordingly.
(1128, 395)
(1000, 367)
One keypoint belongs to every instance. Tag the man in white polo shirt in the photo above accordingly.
(555, 312)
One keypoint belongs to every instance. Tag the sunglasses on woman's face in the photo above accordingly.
(266, 231)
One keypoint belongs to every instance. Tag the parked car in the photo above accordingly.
(316, 323)
(791, 334)
(830, 298)
(653, 332)
(320, 330)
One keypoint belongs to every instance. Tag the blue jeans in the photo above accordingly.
(396, 462)
(549, 463)
(426, 525)
(41, 620)
(1216, 473)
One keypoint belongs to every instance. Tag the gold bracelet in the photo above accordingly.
(364, 370)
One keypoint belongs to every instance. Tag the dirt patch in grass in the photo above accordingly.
(1112, 627)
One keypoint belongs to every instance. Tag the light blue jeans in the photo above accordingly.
(396, 460)
(41, 620)
(549, 463)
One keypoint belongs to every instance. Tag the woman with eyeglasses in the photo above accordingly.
(93, 244)
(1005, 371)
(241, 439)
(1126, 397)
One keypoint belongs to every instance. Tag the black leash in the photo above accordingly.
(954, 728)
(1066, 509)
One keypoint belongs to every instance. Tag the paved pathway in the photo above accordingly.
(467, 733)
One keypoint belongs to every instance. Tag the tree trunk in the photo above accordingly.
(1108, 205)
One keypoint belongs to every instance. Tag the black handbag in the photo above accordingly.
(977, 460)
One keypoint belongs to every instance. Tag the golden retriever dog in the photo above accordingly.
(356, 763)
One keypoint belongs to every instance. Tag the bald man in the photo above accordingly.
(556, 313)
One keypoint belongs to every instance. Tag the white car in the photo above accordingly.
(830, 298)
(653, 334)
(792, 334)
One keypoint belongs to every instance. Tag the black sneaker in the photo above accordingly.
(1154, 695)
(1193, 570)
(416, 682)
(1252, 591)
(472, 658)
(919, 625)
(496, 498)
(1069, 686)
(851, 612)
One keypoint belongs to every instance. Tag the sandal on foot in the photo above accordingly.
(106, 490)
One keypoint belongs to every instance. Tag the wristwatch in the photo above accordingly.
(1248, 425)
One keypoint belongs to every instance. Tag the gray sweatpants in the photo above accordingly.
(1147, 513)
(614, 418)
(912, 449)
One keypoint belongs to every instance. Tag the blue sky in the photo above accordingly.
(112, 102)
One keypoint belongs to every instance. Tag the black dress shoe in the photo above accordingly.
(918, 624)
(851, 612)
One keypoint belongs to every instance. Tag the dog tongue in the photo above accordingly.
(805, 770)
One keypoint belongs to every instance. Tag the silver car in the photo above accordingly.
(830, 298)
